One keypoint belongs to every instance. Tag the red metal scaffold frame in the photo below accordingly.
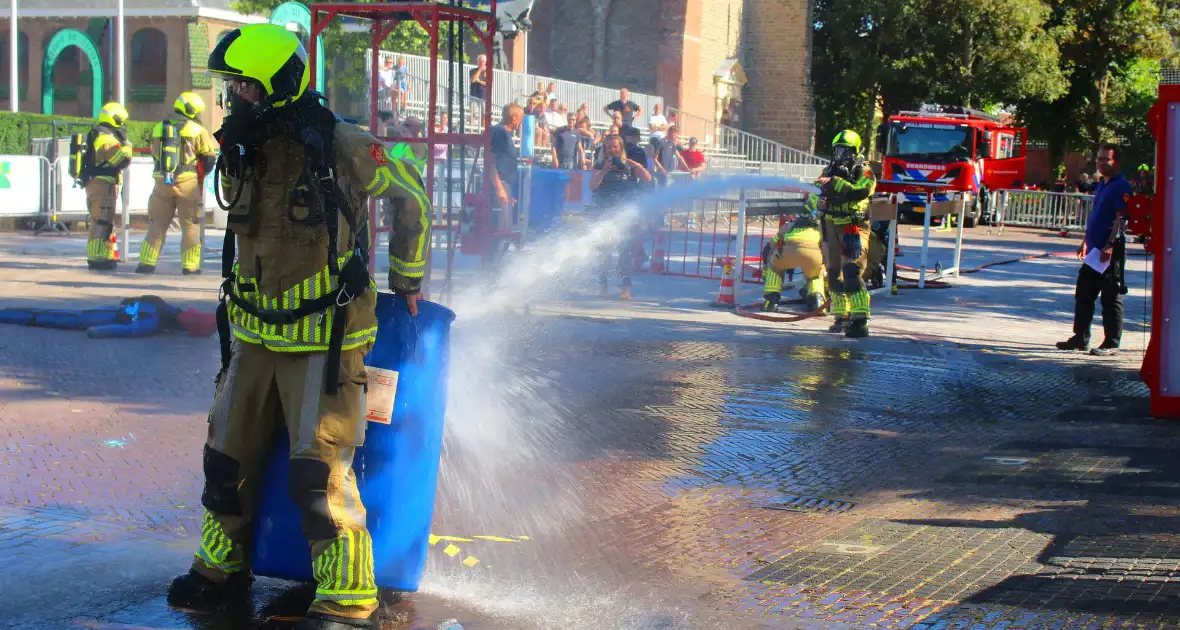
(384, 17)
(1158, 216)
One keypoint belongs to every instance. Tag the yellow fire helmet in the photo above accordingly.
(847, 138)
(113, 114)
(189, 105)
(268, 55)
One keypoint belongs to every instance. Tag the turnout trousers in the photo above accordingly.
(181, 200)
(100, 202)
(846, 268)
(260, 389)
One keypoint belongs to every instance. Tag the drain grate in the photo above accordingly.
(810, 504)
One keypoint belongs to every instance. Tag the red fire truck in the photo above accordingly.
(969, 150)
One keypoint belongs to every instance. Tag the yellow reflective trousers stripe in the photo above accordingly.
(189, 259)
(99, 249)
(859, 303)
(216, 547)
(840, 304)
(148, 255)
(344, 571)
(308, 334)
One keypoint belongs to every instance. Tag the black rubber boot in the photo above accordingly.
(857, 329)
(190, 272)
(814, 302)
(322, 621)
(197, 592)
(145, 270)
(102, 265)
(840, 325)
(770, 302)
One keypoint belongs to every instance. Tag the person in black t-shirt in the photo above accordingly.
(479, 77)
(569, 150)
(616, 183)
(506, 158)
(627, 108)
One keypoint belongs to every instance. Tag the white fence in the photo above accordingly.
(1041, 209)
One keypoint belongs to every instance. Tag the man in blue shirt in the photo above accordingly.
(1104, 233)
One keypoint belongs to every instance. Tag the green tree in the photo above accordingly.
(1110, 52)
(896, 54)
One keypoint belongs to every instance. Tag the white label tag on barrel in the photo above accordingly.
(380, 395)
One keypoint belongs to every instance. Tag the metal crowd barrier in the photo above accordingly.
(1066, 212)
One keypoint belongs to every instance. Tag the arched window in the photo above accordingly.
(22, 65)
(67, 72)
(148, 65)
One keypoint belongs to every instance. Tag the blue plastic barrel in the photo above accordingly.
(547, 198)
(528, 134)
(396, 469)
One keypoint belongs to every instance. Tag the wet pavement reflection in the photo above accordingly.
(729, 483)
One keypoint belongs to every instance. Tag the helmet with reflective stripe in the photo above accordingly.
(847, 138)
(189, 105)
(266, 54)
(113, 114)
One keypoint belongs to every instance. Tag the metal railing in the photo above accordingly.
(735, 141)
(1041, 209)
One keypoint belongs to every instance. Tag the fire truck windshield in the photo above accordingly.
(930, 142)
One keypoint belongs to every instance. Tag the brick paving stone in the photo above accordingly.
(983, 479)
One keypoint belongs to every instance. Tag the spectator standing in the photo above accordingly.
(551, 92)
(657, 127)
(506, 162)
(667, 158)
(569, 147)
(626, 108)
(479, 78)
(598, 147)
(386, 87)
(442, 125)
(554, 119)
(590, 138)
(631, 139)
(694, 159)
(1103, 244)
(614, 183)
(537, 111)
(583, 112)
(401, 84)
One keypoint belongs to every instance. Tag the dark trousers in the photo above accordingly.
(1107, 286)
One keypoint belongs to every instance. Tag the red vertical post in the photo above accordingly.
(376, 27)
(432, 106)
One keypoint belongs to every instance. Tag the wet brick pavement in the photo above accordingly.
(627, 472)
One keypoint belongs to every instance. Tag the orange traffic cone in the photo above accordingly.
(115, 247)
(725, 297)
(658, 264)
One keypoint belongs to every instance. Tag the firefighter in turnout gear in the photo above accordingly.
(297, 317)
(847, 185)
(177, 147)
(796, 246)
(106, 155)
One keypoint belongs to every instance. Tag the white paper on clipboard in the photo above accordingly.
(380, 395)
(1094, 260)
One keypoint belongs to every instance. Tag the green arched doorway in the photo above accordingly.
(298, 13)
(61, 41)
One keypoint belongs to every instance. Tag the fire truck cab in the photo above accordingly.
(970, 151)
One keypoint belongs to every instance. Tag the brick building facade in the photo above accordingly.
(673, 48)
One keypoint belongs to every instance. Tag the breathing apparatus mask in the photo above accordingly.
(844, 155)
